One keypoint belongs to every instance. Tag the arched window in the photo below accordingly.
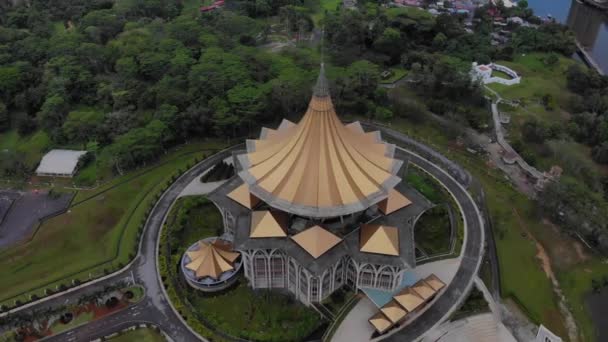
(303, 285)
(260, 273)
(293, 276)
(314, 289)
(326, 284)
(385, 279)
(277, 270)
(351, 274)
(366, 276)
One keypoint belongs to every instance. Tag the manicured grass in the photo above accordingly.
(537, 80)
(97, 234)
(425, 185)
(138, 293)
(432, 231)
(82, 318)
(409, 12)
(140, 335)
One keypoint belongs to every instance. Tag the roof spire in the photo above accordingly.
(322, 86)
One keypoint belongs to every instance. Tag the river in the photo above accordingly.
(589, 24)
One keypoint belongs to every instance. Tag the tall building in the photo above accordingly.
(319, 204)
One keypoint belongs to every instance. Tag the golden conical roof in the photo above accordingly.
(316, 240)
(409, 299)
(319, 167)
(211, 259)
(242, 196)
(393, 202)
(380, 239)
(266, 224)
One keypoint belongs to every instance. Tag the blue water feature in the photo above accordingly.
(381, 298)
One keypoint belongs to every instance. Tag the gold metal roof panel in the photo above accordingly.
(393, 311)
(265, 224)
(408, 299)
(316, 240)
(434, 282)
(211, 259)
(319, 163)
(380, 322)
(393, 202)
(242, 196)
(380, 239)
(423, 289)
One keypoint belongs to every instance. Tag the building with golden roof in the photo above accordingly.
(319, 204)
(211, 264)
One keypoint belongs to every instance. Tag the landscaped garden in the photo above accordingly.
(474, 304)
(433, 231)
(99, 233)
(140, 335)
(238, 311)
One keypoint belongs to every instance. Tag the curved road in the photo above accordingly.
(156, 309)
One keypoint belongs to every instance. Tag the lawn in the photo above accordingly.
(537, 79)
(98, 232)
(140, 335)
(516, 251)
(80, 319)
(425, 185)
(432, 231)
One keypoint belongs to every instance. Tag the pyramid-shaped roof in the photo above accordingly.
(380, 239)
(316, 240)
(265, 224)
(409, 299)
(242, 196)
(423, 289)
(434, 282)
(393, 202)
(393, 311)
(319, 167)
(380, 322)
(211, 259)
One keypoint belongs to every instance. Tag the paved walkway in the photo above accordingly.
(355, 327)
(478, 328)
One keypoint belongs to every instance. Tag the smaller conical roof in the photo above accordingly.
(242, 196)
(393, 202)
(265, 224)
(434, 282)
(211, 259)
(316, 240)
(380, 239)
(423, 289)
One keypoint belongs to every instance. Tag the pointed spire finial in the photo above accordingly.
(322, 86)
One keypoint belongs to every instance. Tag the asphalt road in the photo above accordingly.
(155, 308)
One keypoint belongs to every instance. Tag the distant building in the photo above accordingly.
(515, 20)
(59, 163)
(483, 73)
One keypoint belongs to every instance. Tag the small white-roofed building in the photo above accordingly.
(59, 163)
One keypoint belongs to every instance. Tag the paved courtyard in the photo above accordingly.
(27, 209)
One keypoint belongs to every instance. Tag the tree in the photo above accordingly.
(4, 118)
(522, 4)
(600, 153)
(53, 112)
(82, 126)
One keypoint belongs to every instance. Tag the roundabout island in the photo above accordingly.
(320, 214)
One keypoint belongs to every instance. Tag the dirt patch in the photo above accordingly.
(564, 251)
(545, 261)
